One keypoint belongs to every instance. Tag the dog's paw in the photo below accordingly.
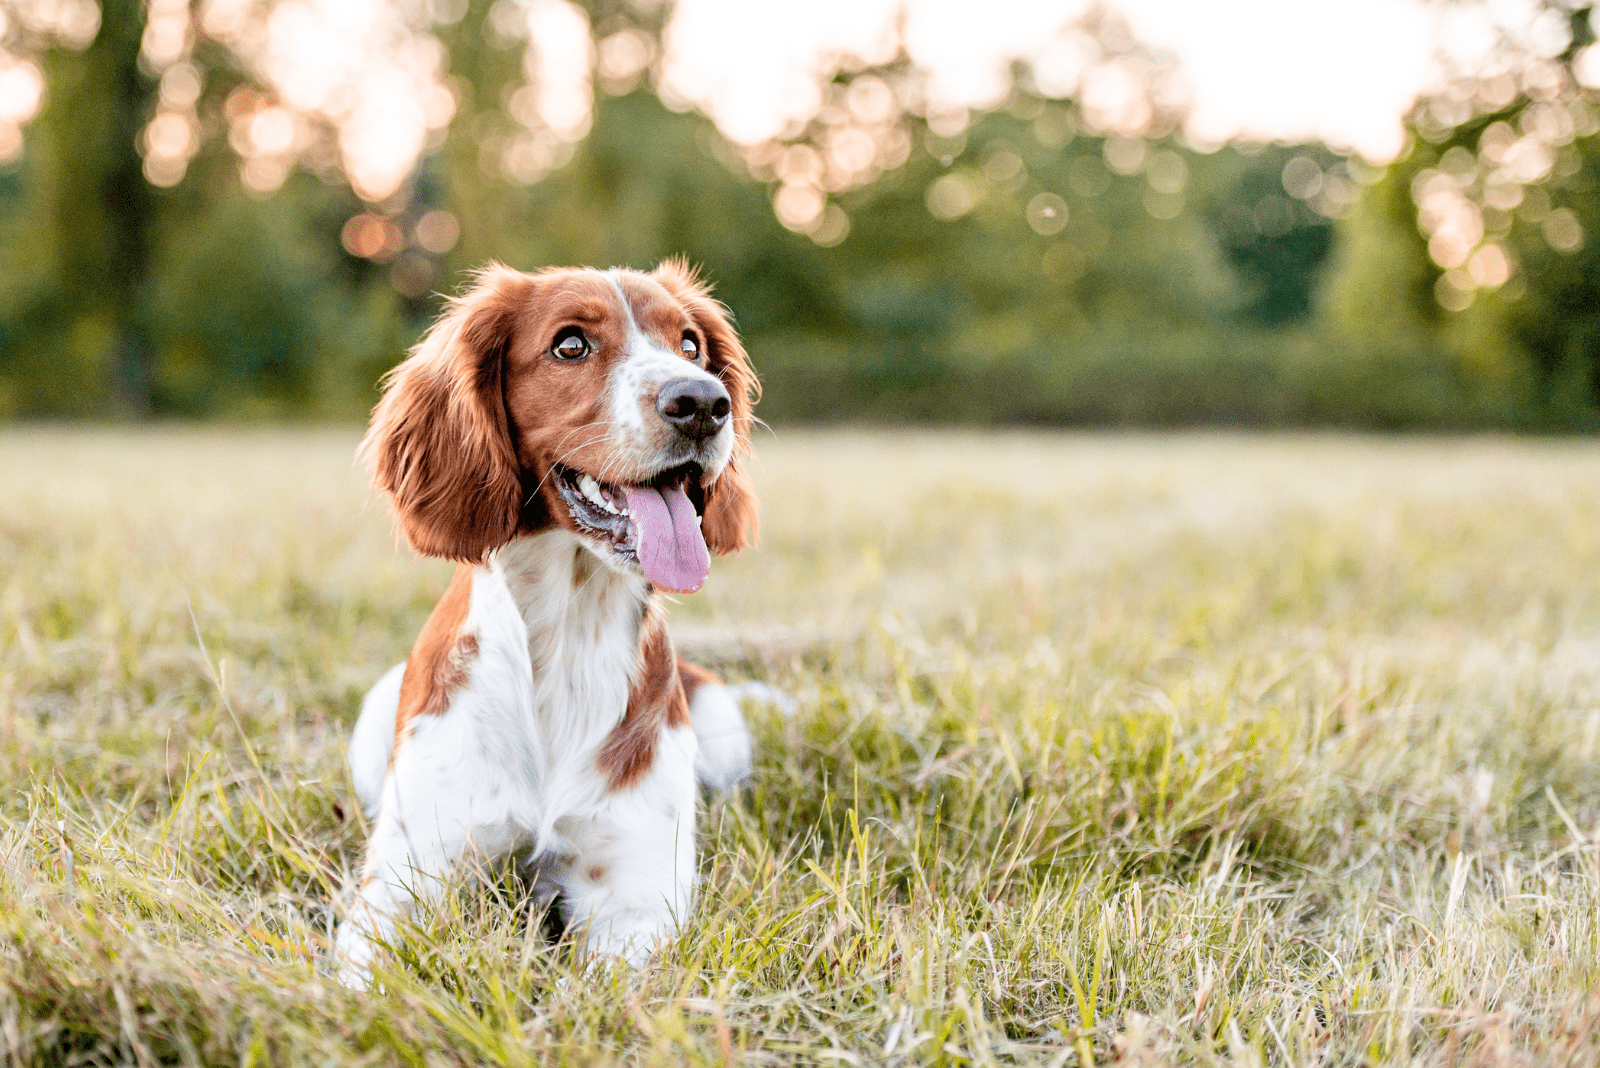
(724, 759)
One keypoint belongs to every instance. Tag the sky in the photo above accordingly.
(1345, 73)
(1280, 70)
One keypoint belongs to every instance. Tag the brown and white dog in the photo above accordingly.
(575, 439)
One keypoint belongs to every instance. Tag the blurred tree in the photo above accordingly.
(191, 228)
(1475, 239)
(91, 215)
(1552, 311)
(1275, 241)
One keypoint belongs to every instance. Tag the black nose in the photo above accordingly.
(698, 407)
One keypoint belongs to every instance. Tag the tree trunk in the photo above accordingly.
(101, 208)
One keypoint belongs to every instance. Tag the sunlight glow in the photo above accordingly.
(1264, 70)
(759, 69)
(172, 137)
(360, 90)
(365, 70)
(21, 91)
(69, 24)
(1587, 67)
(1255, 69)
(555, 105)
(782, 83)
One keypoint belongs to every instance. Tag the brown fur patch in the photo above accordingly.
(655, 702)
(439, 444)
(692, 676)
(441, 660)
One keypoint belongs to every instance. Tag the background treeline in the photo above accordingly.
(1191, 289)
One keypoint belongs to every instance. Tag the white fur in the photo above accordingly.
(635, 383)
(373, 739)
(511, 764)
(724, 758)
(765, 693)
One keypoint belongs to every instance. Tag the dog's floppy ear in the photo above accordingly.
(732, 518)
(440, 444)
(732, 515)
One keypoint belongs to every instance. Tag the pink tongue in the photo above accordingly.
(671, 548)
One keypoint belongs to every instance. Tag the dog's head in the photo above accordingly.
(615, 404)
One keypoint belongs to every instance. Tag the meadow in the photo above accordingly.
(1149, 749)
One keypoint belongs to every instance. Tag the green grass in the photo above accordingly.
(1193, 749)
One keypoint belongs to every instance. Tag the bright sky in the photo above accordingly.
(1295, 70)
(1342, 73)
(1345, 73)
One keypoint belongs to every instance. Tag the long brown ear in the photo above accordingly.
(732, 519)
(439, 444)
(732, 515)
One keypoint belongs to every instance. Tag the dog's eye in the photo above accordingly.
(570, 345)
(690, 347)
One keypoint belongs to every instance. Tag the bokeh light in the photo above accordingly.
(1489, 266)
(1166, 172)
(67, 24)
(823, 98)
(21, 91)
(622, 58)
(554, 105)
(951, 196)
(438, 231)
(1563, 231)
(832, 228)
(372, 237)
(799, 206)
(1124, 155)
(1047, 213)
(1302, 177)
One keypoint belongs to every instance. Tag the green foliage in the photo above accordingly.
(1555, 316)
(1524, 355)
(1277, 244)
(76, 308)
(1189, 290)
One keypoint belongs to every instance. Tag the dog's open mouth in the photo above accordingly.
(655, 525)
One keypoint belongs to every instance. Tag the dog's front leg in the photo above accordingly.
(627, 872)
(430, 821)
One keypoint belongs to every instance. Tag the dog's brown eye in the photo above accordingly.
(570, 345)
(690, 347)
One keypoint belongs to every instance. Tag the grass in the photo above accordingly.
(1195, 749)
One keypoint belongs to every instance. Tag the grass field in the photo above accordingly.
(1191, 749)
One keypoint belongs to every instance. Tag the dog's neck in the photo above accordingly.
(583, 620)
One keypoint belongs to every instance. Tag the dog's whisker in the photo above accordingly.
(585, 428)
(560, 461)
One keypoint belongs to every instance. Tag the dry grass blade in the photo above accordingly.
(1170, 750)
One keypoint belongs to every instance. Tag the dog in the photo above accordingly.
(578, 441)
